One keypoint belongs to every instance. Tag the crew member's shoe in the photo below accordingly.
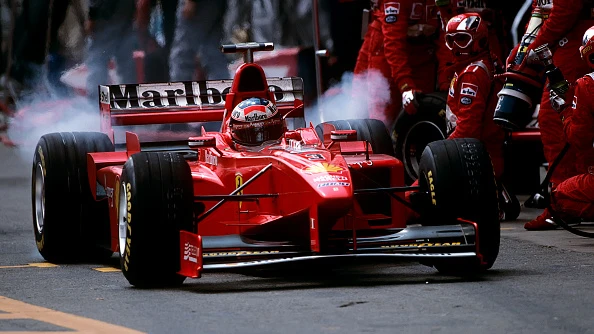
(541, 223)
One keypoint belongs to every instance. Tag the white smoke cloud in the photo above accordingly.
(350, 99)
(47, 113)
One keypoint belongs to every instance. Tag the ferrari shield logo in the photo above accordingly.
(239, 183)
(323, 168)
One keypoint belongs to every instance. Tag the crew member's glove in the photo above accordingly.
(529, 58)
(561, 100)
(557, 101)
(410, 101)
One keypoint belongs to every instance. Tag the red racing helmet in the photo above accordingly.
(254, 121)
(587, 48)
(467, 34)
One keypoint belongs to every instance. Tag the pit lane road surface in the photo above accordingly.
(541, 283)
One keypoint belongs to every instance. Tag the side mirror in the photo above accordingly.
(202, 142)
(343, 135)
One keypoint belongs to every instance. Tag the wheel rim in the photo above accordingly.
(419, 135)
(39, 198)
(122, 217)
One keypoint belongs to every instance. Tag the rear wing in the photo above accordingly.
(180, 102)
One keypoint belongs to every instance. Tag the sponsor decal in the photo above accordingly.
(574, 102)
(466, 100)
(472, 4)
(417, 11)
(103, 95)
(239, 183)
(544, 4)
(294, 144)
(328, 178)
(323, 167)
(392, 8)
(190, 252)
(333, 184)
(363, 163)
(128, 226)
(185, 93)
(425, 244)
(211, 159)
(391, 19)
(240, 253)
(255, 116)
(315, 156)
(431, 187)
(469, 89)
(391, 11)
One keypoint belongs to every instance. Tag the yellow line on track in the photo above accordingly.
(108, 270)
(76, 324)
(31, 265)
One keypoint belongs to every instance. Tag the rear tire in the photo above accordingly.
(372, 130)
(411, 133)
(70, 226)
(460, 175)
(155, 203)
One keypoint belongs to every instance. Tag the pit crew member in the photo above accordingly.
(574, 197)
(401, 43)
(472, 95)
(568, 20)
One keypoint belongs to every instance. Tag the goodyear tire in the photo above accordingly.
(155, 202)
(69, 224)
(458, 175)
(411, 133)
(372, 130)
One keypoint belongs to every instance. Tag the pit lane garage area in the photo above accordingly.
(539, 284)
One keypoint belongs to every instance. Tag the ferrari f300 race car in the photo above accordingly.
(165, 185)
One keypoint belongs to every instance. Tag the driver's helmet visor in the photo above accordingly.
(460, 39)
(255, 133)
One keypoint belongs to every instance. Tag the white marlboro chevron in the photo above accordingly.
(197, 94)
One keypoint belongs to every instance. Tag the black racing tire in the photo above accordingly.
(155, 202)
(372, 130)
(411, 133)
(69, 224)
(458, 175)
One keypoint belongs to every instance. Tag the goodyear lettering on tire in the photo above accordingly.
(431, 187)
(128, 226)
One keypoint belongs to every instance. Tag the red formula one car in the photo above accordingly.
(176, 199)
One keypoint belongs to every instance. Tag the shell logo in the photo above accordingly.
(323, 168)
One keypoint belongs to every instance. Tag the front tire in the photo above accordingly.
(155, 203)
(458, 175)
(69, 225)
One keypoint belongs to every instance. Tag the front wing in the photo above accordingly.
(414, 243)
